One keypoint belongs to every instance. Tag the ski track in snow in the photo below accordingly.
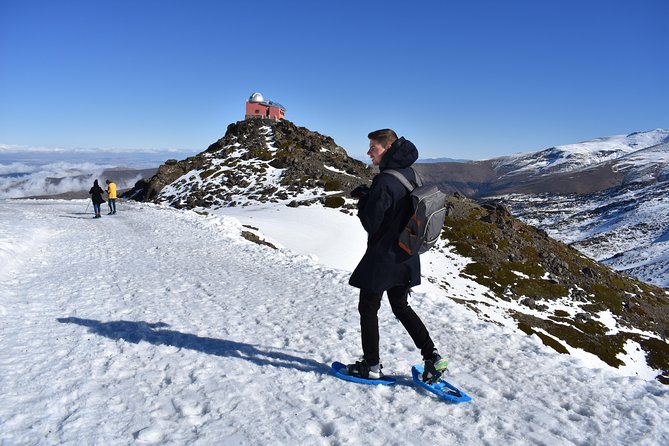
(158, 326)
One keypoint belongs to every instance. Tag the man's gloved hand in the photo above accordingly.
(360, 191)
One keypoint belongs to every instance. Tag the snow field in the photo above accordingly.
(157, 326)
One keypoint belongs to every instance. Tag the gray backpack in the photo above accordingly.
(429, 212)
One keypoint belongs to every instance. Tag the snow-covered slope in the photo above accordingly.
(625, 228)
(575, 157)
(646, 165)
(159, 326)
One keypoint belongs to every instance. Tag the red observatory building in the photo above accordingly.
(258, 107)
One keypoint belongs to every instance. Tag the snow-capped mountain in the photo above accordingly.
(587, 167)
(578, 157)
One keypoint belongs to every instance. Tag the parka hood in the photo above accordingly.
(402, 153)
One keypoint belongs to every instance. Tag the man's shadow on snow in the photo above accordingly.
(154, 333)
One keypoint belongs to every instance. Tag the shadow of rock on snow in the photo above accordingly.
(154, 333)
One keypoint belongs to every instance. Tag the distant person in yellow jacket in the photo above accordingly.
(111, 199)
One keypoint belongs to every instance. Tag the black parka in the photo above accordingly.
(384, 212)
(96, 193)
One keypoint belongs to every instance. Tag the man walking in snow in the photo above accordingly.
(111, 196)
(384, 209)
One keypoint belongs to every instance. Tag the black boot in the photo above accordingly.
(363, 369)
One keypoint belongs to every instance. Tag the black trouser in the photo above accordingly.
(369, 305)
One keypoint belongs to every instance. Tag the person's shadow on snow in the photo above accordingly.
(154, 333)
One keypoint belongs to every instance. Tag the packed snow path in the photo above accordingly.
(157, 326)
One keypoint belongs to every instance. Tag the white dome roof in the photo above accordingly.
(256, 97)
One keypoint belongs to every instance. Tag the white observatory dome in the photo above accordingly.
(256, 97)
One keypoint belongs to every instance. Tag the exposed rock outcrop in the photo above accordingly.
(569, 294)
(258, 161)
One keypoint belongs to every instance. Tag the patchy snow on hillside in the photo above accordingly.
(625, 229)
(159, 326)
(645, 165)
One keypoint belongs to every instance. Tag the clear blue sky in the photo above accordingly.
(463, 79)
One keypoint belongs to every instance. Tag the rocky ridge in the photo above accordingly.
(552, 290)
(258, 161)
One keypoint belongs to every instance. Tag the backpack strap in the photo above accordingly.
(404, 180)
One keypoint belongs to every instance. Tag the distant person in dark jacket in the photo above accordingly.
(384, 209)
(96, 196)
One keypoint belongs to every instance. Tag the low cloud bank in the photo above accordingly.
(32, 171)
(21, 180)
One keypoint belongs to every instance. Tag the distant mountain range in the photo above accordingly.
(587, 167)
(441, 160)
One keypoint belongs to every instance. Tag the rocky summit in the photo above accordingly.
(258, 161)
